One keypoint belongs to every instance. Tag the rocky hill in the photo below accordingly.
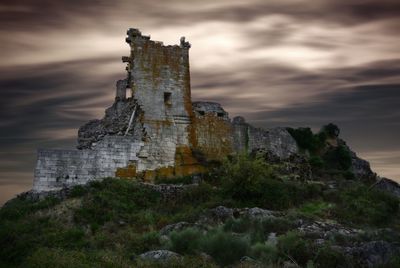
(322, 207)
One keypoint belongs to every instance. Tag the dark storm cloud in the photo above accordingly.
(277, 62)
(42, 99)
(28, 15)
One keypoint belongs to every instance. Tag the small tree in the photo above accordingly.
(331, 130)
(243, 177)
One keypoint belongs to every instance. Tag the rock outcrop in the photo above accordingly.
(161, 255)
(388, 186)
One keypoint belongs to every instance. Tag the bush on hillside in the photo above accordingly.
(225, 248)
(338, 158)
(21, 207)
(186, 241)
(292, 246)
(243, 177)
(363, 205)
(264, 252)
(112, 200)
(331, 130)
(307, 140)
(252, 182)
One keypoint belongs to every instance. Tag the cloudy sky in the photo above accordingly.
(276, 62)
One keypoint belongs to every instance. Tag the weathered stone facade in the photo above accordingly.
(275, 141)
(157, 131)
(56, 169)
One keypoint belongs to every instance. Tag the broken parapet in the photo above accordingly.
(202, 108)
(115, 122)
(212, 130)
(276, 141)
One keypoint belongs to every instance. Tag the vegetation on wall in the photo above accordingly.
(324, 158)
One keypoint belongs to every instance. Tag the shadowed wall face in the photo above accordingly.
(286, 63)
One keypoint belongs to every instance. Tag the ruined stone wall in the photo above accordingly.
(240, 134)
(156, 132)
(276, 141)
(212, 130)
(56, 169)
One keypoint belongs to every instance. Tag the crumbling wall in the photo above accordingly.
(276, 141)
(56, 169)
(212, 130)
(115, 122)
(157, 131)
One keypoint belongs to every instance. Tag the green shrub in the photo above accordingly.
(20, 207)
(307, 140)
(266, 253)
(243, 177)
(362, 205)
(78, 191)
(202, 193)
(60, 258)
(349, 175)
(240, 225)
(293, 246)
(187, 241)
(316, 209)
(276, 225)
(251, 182)
(394, 262)
(175, 180)
(112, 200)
(139, 243)
(338, 158)
(71, 238)
(329, 257)
(20, 237)
(316, 161)
(184, 262)
(224, 247)
(331, 130)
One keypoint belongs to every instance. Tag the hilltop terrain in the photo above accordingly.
(251, 210)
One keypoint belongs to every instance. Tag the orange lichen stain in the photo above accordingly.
(212, 137)
(185, 164)
(128, 172)
(165, 172)
(184, 156)
(148, 175)
(189, 170)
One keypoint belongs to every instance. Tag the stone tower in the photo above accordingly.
(156, 130)
(159, 79)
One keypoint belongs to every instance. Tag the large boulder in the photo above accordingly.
(373, 253)
(159, 255)
(388, 186)
(361, 168)
(179, 226)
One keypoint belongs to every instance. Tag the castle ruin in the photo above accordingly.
(153, 128)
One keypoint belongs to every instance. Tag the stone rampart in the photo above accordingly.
(56, 169)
